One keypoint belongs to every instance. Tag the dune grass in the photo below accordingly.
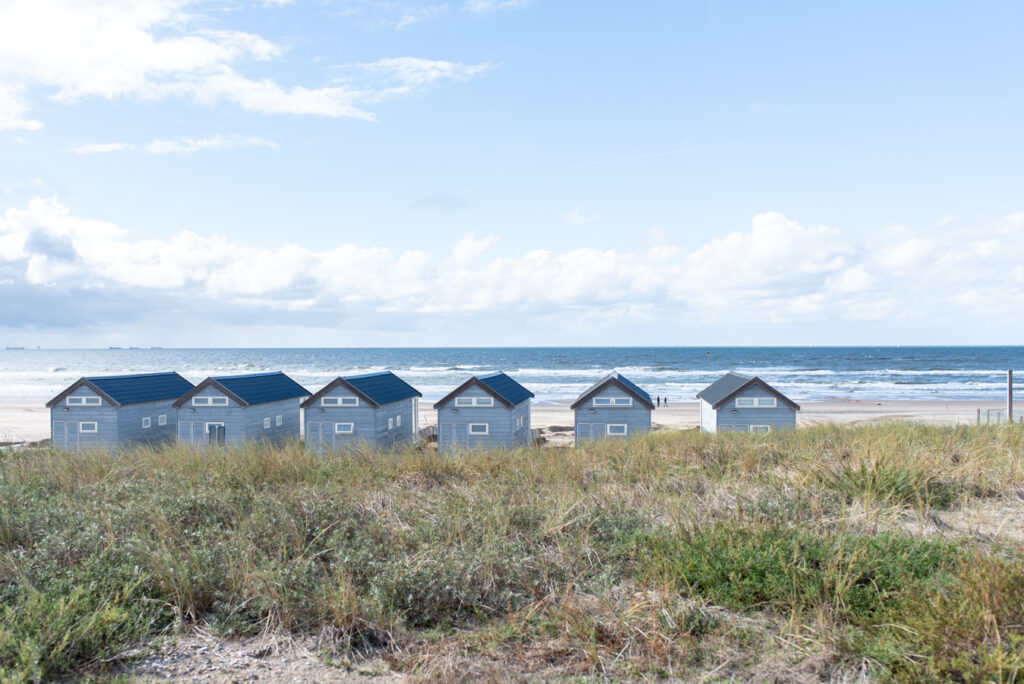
(812, 552)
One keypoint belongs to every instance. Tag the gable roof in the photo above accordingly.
(377, 388)
(614, 378)
(498, 385)
(131, 389)
(255, 388)
(731, 384)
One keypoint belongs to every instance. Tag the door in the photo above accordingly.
(446, 437)
(583, 431)
(65, 435)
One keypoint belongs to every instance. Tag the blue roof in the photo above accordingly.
(137, 389)
(633, 386)
(382, 388)
(260, 388)
(509, 389)
(614, 376)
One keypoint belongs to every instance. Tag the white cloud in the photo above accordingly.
(217, 142)
(576, 218)
(776, 272)
(491, 5)
(102, 148)
(156, 49)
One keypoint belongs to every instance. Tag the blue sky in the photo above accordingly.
(495, 172)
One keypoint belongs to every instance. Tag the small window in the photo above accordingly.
(84, 401)
(161, 420)
(209, 401)
(89, 427)
(344, 428)
(766, 402)
(624, 402)
(479, 429)
(266, 423)
(474, 401)
(617, 429)
(398, 421)
(743, 402)
(760, 428)
(339, 401)
(602, 401)
(391, 423)
(279, 421)
(146, 423)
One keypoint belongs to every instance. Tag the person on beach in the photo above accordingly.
(659, 401)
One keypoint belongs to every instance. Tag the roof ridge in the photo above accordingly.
(128, 375)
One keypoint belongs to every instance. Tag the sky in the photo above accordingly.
(510, 172)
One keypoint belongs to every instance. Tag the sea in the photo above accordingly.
(555, 374)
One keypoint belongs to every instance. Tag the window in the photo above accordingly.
(398, 421)
(344, 428)
(479, 429)
(84, 401)
(279, 421)
(92, 426)
(756, 402)
(209, 401)
(613, 401)
(146, 423)
(161, 420)
(339, 401)
(266, 423)
(760, 428)
(520, 422)
(391, 423)
(617, 429)
(474, 401)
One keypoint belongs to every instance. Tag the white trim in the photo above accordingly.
(485, 426)
(209, 401)
(95, 427)
(625, 429)
(339, 401)
(214, 422)
(474, 401)
(147, 422)
(266, 423)
(756, 402)
(613, 402)
(161, 419)
(759, 428)
(84, 401)
(279, 421)
(340, 429)
(398, 420)
(391, 423)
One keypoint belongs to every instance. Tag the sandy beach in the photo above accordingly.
(29, 422)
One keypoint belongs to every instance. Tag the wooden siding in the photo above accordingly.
(192, 420)
(370, 424)
(731, 418)
(708, 419)
(591, 422)
(290, 428)
(453, 423)
(64, 425)
(129, 419)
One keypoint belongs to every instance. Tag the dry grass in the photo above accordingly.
(884, 552)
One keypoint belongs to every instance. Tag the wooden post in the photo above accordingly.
(1009, 396)
(979, 416)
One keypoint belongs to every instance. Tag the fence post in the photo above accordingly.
(1009, 396)
(979, 416)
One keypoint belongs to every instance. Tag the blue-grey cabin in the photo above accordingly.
(613, 408)
(740, 403)
(237, 408)
(378, 409)
(485, 411)
(118, 410)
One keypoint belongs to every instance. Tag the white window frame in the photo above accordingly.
(398, 421)
(759, 428)
(391, 423)
(481, 402)
(340, 430)
(608, 429)
(93, 423)
(147, 422)
(471, 431)
(266, 423)
(209, 401)
(279, 421)
(756, 402)
(206, 426)
(161, 419)
(84, 401)
(339, 401)
(613, 402)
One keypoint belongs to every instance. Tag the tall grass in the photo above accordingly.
(670, 551)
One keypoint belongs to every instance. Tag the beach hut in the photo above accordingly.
(487, 411)
(235, 408)
(112, 411)
(740, 403)
(378, 409)
(613, 408)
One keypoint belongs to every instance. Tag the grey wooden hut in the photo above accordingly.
(485, 411)
(112, 411)
(613, 408)
(741, 403)
(378, 409)
(232, 409)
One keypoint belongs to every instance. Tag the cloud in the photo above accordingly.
(440, 200)
(179, 146)
(491, 5)
(102, 148)
(776, 272)
(158, 49)
(576, 218)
